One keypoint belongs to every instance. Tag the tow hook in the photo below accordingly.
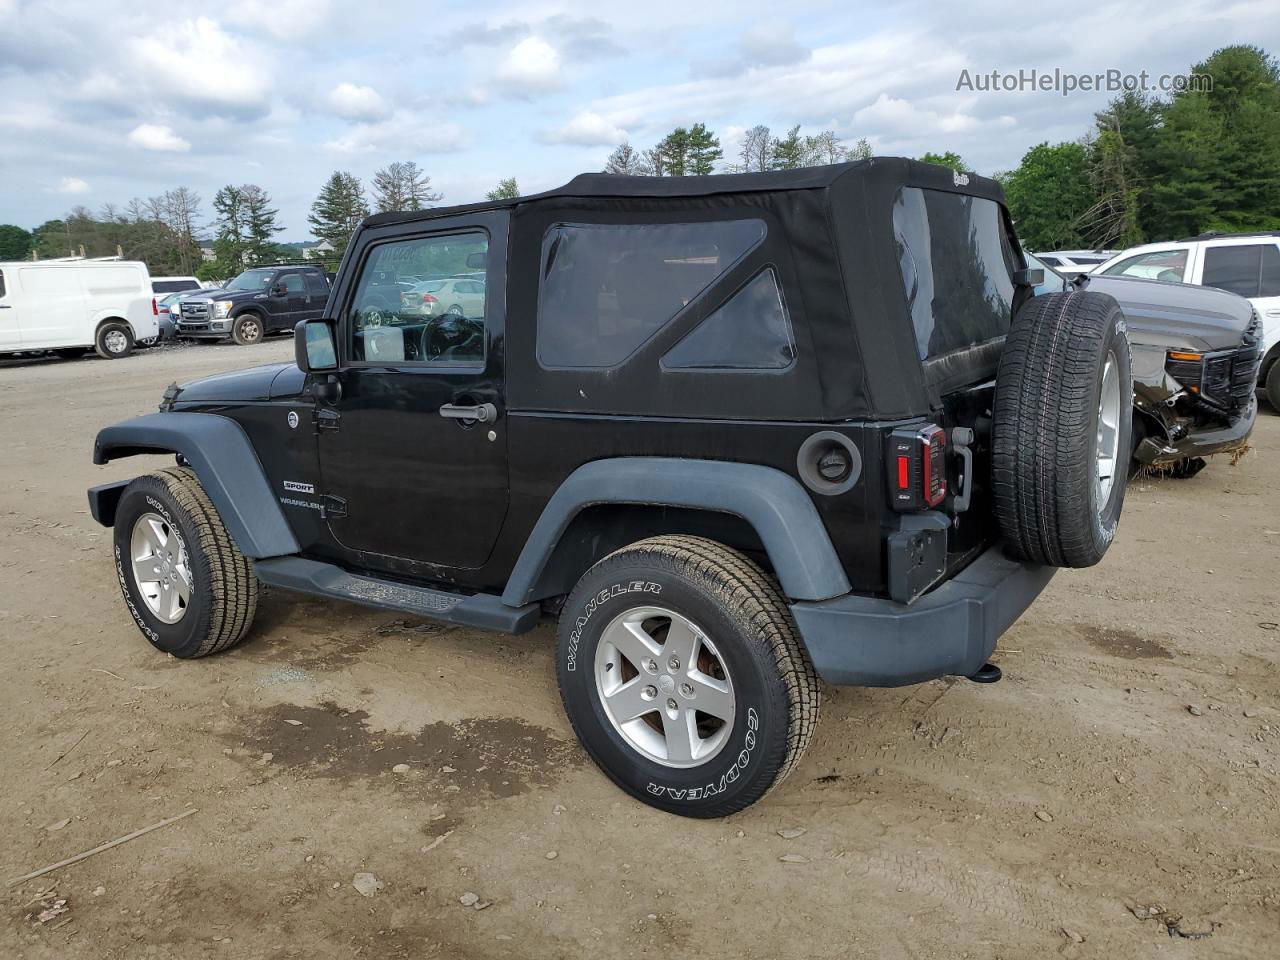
(989, 673)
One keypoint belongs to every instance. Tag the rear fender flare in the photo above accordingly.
(223, 458)
(773, 503)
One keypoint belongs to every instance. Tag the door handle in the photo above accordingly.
(481, 413)
(6, 306)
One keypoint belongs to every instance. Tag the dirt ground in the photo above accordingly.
(1115, 796)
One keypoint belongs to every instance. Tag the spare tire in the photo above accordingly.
(1062, 426)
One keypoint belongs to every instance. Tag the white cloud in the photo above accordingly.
(531, 66)
(403, 133)
(355, 102)
(213, 67)
(152, 136)
(286, 19)
(72, 185)
(587, 129)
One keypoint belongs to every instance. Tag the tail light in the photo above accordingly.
(428, 298)
(917, 467)
(155, 310)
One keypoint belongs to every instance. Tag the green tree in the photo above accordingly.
(949, 159)
(507, 189)
(338, 210)
(15, 243)
(703, 150)
(1216, 157)
(788, 152)
(229, 222)
(1048, 194)
(260, 225)
(670, 158)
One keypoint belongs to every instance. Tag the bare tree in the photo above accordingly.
(402, 186)
(756, 152)
(628, 161)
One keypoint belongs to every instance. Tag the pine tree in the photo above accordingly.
(507, 189)
(402, 186)
(338, 210)
(259, 224)
(788, 153)
(229, 241)
(703, 150)
(671, 155)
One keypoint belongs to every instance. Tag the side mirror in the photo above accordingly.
(315, 346)
(1029, 277)
(279, 290)
(477, 261)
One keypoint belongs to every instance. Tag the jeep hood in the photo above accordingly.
(268, 382)
(1177, 315)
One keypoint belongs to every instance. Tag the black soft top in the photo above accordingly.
(877, 171)
(830, 239)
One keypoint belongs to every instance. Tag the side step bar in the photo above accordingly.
(483, 610)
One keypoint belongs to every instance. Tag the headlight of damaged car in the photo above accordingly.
(221, 308)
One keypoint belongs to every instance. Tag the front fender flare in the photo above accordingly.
(774, 503)
(223, 458)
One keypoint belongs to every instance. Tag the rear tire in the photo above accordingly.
(170, 541)
(114, 340)
(742, 656)
(248, 329)
(1063, 420)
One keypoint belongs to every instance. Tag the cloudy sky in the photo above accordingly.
(100, 107)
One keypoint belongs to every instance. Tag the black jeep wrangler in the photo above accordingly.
(260, 301)
(741, 433)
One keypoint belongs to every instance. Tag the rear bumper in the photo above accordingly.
(951, 631)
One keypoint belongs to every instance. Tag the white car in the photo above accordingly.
(70, 306)
(1072, 263)
(1247, 264)
(460, 296)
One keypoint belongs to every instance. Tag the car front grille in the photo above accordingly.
(195, 310)
(1223, 382)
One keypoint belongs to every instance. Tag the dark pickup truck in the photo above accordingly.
(259, 302)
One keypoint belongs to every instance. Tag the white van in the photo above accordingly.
(69, 306)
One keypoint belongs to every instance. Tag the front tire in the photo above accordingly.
(684, 677)
(1273, 385)
(248, 329)
(114, 340)
(189, 588)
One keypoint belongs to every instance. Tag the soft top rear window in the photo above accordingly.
(957, 268)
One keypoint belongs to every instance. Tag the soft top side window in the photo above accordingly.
(750, 331)
(606, 288)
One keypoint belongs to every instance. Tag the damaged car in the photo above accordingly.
(1195, 367)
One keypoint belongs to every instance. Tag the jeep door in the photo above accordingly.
(409, 469)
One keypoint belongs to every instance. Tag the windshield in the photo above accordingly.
(251, 280)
